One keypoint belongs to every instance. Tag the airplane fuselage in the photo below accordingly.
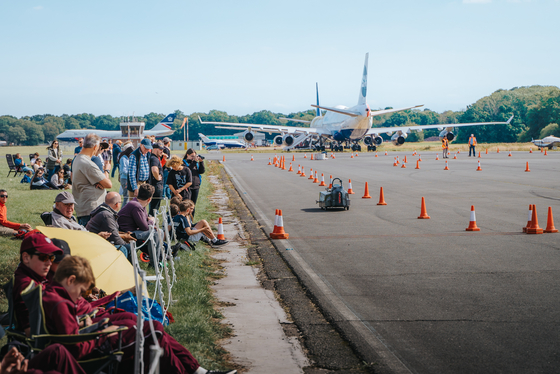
(343, 127)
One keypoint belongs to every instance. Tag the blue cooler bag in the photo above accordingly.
(127, 301)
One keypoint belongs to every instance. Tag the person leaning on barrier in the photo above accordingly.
(104, 219)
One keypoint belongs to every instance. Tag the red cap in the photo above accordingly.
(40, 243)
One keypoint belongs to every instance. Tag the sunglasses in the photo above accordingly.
(44, 256)
(6, 196)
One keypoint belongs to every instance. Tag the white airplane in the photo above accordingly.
(342, 124)
(163, 128)
(549, 142)
(221, 143)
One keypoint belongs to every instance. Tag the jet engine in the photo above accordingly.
(373, 140)
(286, 140)
(249, 136)
(399, 138)
(448, 134)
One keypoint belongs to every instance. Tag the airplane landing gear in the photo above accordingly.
(371, 148)
(356, 147)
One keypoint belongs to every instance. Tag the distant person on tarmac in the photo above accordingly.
(445, 146)
(472, 145)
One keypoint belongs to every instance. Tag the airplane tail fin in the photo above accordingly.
(166, 123)
(203, 138)
(317, 89)
(363, 88)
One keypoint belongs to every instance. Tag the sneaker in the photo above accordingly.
(221, 372)
(206, 240)
(220, 242)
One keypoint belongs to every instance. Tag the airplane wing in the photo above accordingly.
(265, 128)
(385, 111)
(407, 129)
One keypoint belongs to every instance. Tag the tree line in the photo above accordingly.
(536, 111)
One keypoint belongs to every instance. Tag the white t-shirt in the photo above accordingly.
(85, 174)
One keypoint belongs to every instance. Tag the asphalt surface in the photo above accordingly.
(423, 296)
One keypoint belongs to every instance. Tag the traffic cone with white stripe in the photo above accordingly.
(252, 159)
(455, 156)
(315, 180)
(305, 155)
(220, 235)
(298, 170)
(529, 218)
(385, 153)
(269, 162)
(530, 150)
(310, 174)
(279, 234)
(419, 157)
(312, 156)
(472, 222)
(437, 157)
(395, 162)
(350, 192)
(478, 168)
(376, 154)
(290, 169)
(302, 172)
(403, 165)
(509, 155)
(322, 180)
(275, 229)
(446, 167)
(330, 183)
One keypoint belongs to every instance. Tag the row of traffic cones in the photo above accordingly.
(533, 222)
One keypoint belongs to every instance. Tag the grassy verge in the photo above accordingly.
(197, 323)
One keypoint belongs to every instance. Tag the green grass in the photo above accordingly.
(197, 324)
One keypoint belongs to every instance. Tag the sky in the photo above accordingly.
(124, 57)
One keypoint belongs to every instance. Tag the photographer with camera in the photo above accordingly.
(196, 164)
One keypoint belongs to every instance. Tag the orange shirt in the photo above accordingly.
(4, 218)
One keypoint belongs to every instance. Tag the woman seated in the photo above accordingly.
(20, 164)
(186, 230)
(38, 164)
(58, 180)
(40, 183)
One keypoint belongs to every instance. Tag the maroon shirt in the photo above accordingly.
(22, 277)
(133, 217)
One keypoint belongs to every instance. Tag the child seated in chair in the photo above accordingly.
(186, 230)
(73, 277)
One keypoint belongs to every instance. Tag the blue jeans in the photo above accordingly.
(125, 249)
(115, 167)
(83, 220)
(52, 172)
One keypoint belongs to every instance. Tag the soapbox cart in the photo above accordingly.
(334, 197)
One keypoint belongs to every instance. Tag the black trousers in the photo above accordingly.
(156, 198)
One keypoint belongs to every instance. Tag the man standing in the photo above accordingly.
(88, 182)
(116, 151)
(156, 176)
(166, 156)
(472, 145)
(78, 149)
(445, 146)
(138, 167)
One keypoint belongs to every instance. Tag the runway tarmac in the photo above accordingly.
(424, 296)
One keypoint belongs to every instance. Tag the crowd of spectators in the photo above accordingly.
(147, 174)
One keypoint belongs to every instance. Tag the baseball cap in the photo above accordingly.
(157, 145)
(147, 143)
(104, 145)
(62, 244)
(65, 198)
(40, 243)
(166, 140)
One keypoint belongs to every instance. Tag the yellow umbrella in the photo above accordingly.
(111, 269)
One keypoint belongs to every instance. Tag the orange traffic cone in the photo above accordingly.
(356, 153)
(419, 158)
(279, 234)
(423, 212)
(220, 235)
(403, 165)
(330, 182)
(290, 169)
(417, 164)
(310, 174)
(302, 172)
(293, 158)
(269, 162)
(446, 167)
(283, 163)
(252, 159)
(350, 192)
(298, 170)
(472, 222)
(224, 158)
(550, 222)
(322, 180)
(275, 230)
(395, 162)
(315, 180)
(498, 150)
(509, 155)
(333, 156)
(404, 162)
(486, 151)
(381, 197)
(534, 228)
(527, 167)
(545, 152)
(352, 155)
(305, 155)
(385, 153)
(541, 150)
(478, 154)
(312, 157)
(530, 150)
(478, 168)
(458, 151)
(398, 160)
(437, 157)
(376, 154)
(529, 219)
(366, 193)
